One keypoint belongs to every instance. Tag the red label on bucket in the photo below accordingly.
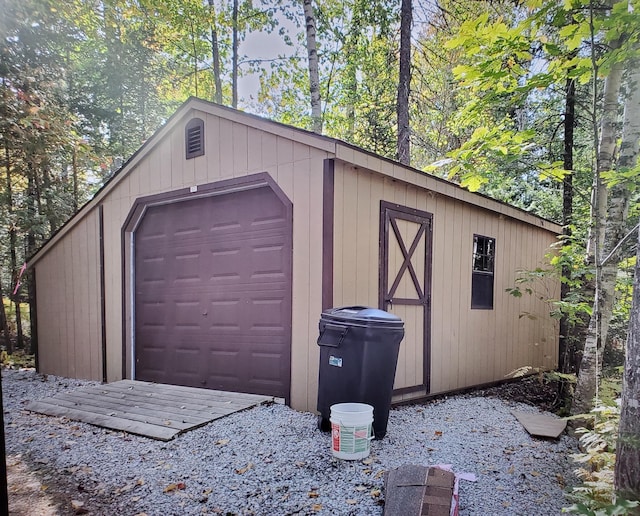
(335, 436)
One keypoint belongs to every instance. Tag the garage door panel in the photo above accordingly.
(213, 293)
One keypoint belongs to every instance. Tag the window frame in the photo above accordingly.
(483, 259)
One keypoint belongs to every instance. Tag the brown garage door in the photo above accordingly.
(213, 293)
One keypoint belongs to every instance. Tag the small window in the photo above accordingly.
(484, 255)
(194, 138)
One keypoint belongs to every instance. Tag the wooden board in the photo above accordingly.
(539, 425)
(148, 409)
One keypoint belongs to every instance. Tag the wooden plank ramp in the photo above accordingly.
(149, 409)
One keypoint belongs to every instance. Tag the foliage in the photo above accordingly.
(622, 308)
(11, 316)
(17, 360)
(543, 375)
(596, 495)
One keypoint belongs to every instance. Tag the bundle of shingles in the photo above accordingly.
(420, 491)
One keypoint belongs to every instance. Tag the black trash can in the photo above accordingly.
(358, 357)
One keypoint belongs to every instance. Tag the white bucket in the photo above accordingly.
(351, 430)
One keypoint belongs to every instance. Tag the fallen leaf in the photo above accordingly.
(351, 501)
(361, 488)
(300, 464)
(535, 473)
(375, 493)
(135, 498)
(207, 492)
(367, 461)
(222, 442)
(125, 489)
(242, 471)
(506, 504)
(316, 507)
(560, 480)
(140, 482)
(312, 494)
(379, 474)
(511, 470)
(438, 433)
(168, 423)
(78, 507)
(141, 514)
(175, 487)
(366, 471)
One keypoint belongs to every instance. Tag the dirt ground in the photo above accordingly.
(27, 495)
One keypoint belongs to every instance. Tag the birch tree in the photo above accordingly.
(314, 75)
(627, 469)
(612, 187)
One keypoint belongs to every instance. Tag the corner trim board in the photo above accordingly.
(103, 304)
(328, 188)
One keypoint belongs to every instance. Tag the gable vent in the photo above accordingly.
(194, 138)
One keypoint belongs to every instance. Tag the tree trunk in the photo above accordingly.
(314, 76)
(32, 195)
(74, 170)
(195, 56)
(4, 323)
(215, 56)
(15, 297)
(234, 57)
(566, 356)
(404, 84)
(351, 73)
(588, 374)
(12, 227)
(627, 472)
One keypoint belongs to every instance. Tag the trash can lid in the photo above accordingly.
(363, 316)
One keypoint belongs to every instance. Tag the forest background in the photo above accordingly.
(535, 103)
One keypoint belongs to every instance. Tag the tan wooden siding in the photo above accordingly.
(468, 347)
(68, 294)
(296, 167)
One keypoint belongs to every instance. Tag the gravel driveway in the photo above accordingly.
(271, 460)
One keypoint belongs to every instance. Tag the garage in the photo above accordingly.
(182, 268)
(213, 293)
